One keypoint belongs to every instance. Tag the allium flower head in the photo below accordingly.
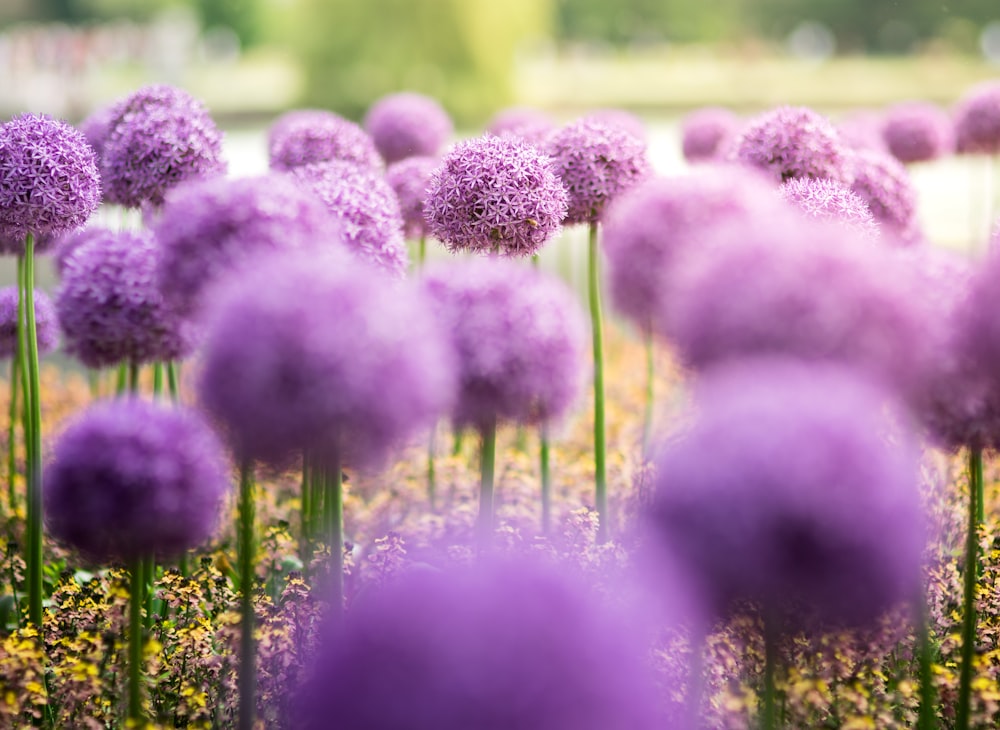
(308, 136)
(916, 131)
(315, 350)
(620, 119)
(977, 120)
(491, 647)
(531, 125)
(885, 185)
(862, 130)
(407, 124)
(48, 178)
(110, 307)
(495, 195)
(409, 179)
(706, 132)
(977, 332)
(520, 339)
(160, 137)
(365, 207)
(790, 142)
(596, 162)
(791, 489)
(97, 126)
(829, 200)
(132, 479)
(47, 326)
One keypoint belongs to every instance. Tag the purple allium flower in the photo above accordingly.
(316, 350)
(97, 126)
(490, 647)
(885, 185)
(531, 125)
(792, 489)
(831, 201)
(706, 132)
(110, 307)
(366, 208)
(620, 119)
(862, 130)
(916, 131)
(308, 136)
(790, 142)
(65, 245)
(48, 178)
(46, 324)
(406, 125)
(494, 195)
(160, 137)
(977, 120)
(133, 479)
(978, 335)
(409, 179)
(596, 163)
(520, 339)
(209, 227)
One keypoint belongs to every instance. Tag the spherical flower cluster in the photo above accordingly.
(97, 125)
(495, 195)
(314, 350)
(979, 335)
(620, 119)
(531, 125)
(308, 136)
(792, 490)
(366, 209)
(520, 339)
(917, 132)
(831, 201)
(884, 184)
(409, 179)
(64, 246)
(791, 142)
(110, 307)
(862, 130)
(490, 646)
(48, 178)
(596, 162)
(706, 132)
(209, 227)
(160, 136)
(977, 120)
(132, 479)
(46, 324)
(407, 124)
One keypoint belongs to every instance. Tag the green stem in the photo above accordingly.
(149, 580)
(647, 423)
(333, 510)
(94, 382)
(486, 467)
(12, 435)
(769, 714)
(305, 539)
(34, 468)
(597, 330)
(157, 380)
(245, 545)
(173, 382)
(133, 377)
(963, 702)
(431, 469)
(122, 383)
(135, 630)
(456, 444)
(421, 252)
(927, 718)
(546, 474)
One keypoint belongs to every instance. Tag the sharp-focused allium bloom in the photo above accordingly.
(596, 162)
(365, 207)
(406, 125)
(409, 179)
(110, 307)
(862, 130)
(520, 339)
(495, 195)
(884, 184)
(977, 120)
(531, 125)
(620, 119)
(48, 178)
(208, 228)
(308, 136)
(160, 137)
(132, 479)
(46, 324)
(916, 131)
(829, 200)
(491, 647)
(705, 133)
(315, 350)
(792, 489)
(790, 142)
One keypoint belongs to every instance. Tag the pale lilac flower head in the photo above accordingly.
(366, 209)
(706, 132)
(862, 130)
(132, 479)
(308, 136)
(409, 179)
(620, 119)
(315, 350)
(160, 137)
(885, 185)
(977, 120)
(792, 489)
(829, 200)
(47, 326)
(407, 124)
(520, 339)
(531, 125)
(916, 131)
(790, 142)
(597, 163)
(48, 178)
(495, 195)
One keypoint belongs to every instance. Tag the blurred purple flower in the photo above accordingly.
(977, 120)
(307, 136)
(862, 130)
(885, 185)
(977, 330)
(530, 125)
(96, 127)
(407, 125)
(916, 131)
(409, 179)
(46, 324)
(829, 200)
(706, 132)
(620, 119)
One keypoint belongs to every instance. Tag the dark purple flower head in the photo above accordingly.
(47, 326)
(110, 307)
(620, 119)
(308, 136)
(977, 120)
(132, 479)
(495, 195)
(490, 647)
(316, 350)
(48, 178)
(597, 163)
(160, 137)
(531, 125)
(862, 130)
(884, 184)
(916, 131)
(792, 489)
(406, 125)
(209, 227)
(520, 340)
(365, 207)
(829, 200)
(409, 179)
(706, 132)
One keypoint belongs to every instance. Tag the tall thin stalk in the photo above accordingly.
(927, 717)
(333, 511)
(12, 434)
(33, 471)
(305, 514)
(597, 332)
(431, 468)
(962, 707)
(135, 631)
(246, 550)
(487, 464)
(546, 477)
(173, 382)
(769, 713)
(647, 421)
